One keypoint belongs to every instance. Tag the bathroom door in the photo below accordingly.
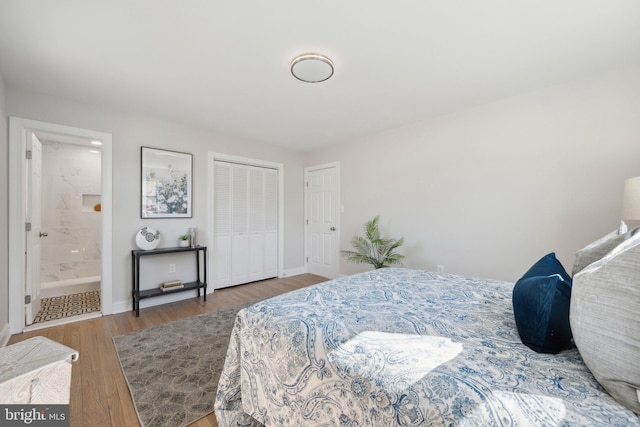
(34, 234)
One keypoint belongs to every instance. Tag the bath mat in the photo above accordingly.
(68, 305)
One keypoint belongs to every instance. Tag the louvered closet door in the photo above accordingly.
(245, 224)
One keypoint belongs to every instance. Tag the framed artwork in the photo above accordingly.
(166, 183)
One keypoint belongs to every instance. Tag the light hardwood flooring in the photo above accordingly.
(99, 392)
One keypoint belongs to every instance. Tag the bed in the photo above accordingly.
(401, 347)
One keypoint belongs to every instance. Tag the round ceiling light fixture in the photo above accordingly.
(312, 68)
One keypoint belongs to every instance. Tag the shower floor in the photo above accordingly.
(68, 305)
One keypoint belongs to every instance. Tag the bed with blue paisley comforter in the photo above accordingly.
(400, 347)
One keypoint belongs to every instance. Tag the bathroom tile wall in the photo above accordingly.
(70, 191)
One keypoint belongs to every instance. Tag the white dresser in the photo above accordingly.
(36, 371)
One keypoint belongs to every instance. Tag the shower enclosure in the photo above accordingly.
(70, 260)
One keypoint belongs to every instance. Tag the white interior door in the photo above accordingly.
(263, 223)
(35, 233)
(240, 248)
(222, 225)
(322, 220)
(18, 194)
(245, 224)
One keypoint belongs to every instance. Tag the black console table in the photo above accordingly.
(137, 294)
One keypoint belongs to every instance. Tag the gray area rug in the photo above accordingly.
(173, 369)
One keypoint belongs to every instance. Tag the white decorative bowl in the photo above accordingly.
(147, 238)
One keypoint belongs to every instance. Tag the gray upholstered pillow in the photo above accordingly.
(605, 320)
(596, 250)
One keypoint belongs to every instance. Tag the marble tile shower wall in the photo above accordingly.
(70, 190)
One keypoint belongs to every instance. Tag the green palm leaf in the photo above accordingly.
(374, 249)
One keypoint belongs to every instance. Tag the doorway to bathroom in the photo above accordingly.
(60, 217)
(65, 179)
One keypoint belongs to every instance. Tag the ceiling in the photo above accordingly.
(224, 65)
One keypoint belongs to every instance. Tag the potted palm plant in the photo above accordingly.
(373, 248)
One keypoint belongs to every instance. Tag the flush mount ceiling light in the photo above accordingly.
(312, 68)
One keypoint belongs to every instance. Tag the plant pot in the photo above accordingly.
(183, 243)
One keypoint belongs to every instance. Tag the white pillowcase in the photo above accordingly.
(605, 320)
(598, 249)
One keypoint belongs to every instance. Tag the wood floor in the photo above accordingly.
(99, 392)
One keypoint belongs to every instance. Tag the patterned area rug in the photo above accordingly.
(68, 305)
(173, 369)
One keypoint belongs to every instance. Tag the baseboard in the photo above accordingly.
(294, 272)
(122, 306)
(5, 334)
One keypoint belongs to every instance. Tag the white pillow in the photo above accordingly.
(596, 250)
(605, 320)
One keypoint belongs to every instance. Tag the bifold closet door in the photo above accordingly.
(245, 224)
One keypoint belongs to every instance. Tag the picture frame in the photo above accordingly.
(165, 183)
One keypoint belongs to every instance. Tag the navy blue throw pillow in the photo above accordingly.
(546, 266)
(541, 301)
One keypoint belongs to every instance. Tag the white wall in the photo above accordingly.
(489, 190)
(4, 218)
(130, 132)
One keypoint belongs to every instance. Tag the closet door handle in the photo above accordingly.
(44, 234)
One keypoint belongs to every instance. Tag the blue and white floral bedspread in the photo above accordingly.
(399, 347)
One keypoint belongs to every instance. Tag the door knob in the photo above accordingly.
(44, 234)
(332, 229)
